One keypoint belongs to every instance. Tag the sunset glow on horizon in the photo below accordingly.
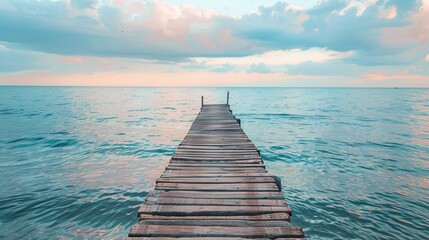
(172, 43)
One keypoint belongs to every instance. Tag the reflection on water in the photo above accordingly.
(77, 162)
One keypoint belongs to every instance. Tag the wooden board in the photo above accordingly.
(217, 180)
(215, 187)
(219, 210)
(143, 230)
(211, 222)
(205, 238)
(214, 158)
(205, 161)
(214, 202)
(260, 217)
(217, 169)
(187, 174)
(217, 194)
(215, 165)
(227, 187)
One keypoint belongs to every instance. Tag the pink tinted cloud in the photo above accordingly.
(205, 78)
(72, 59)
(388, 13)
(417, 32)
(162, 19)
(176, 28)
(397, 79)
(159, 79)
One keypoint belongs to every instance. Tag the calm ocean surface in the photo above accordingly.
(77, 162)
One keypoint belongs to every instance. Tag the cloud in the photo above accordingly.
(204, 78)
(224, 68)
(17, 60)
(385, 77)
(12, 60)
(259, 68)
(325, 69)
(388, 13)
(148, 29)
(3, 48)
(83, 4)
(164, 31)
(279, 57)
(331, 38)
(138, 78)
(357, 6)
(427, 58)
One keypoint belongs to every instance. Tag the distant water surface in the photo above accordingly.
(76, 162)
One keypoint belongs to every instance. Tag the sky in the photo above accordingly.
(174, 43)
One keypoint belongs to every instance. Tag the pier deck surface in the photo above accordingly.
(215, 187)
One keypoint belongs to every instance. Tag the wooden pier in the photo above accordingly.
(215, 187)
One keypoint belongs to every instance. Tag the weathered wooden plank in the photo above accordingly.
(211, 161)
(206, 238)
(226, 186)
(219, 153)
(218, 169)
(216, 194)
(215, 142)
(205, 128)
(224, 210)
(216, 127)
(230, 148)
(215, 165)
(141, 230)
(218, 147)
(215, 171)
(226, 223)
(216, 152)
(212, 152)
(209, 136)
(214, 202)
(248, 187)
(217, 180)
(260, 217)
(224, 146)
(188, 174)
(282, 216)
(185, 156)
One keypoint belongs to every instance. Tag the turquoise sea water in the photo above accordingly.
(76, 162)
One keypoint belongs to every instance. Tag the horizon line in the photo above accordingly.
(136, 86)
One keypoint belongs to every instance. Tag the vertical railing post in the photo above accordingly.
(202, 101)
(227, 98)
